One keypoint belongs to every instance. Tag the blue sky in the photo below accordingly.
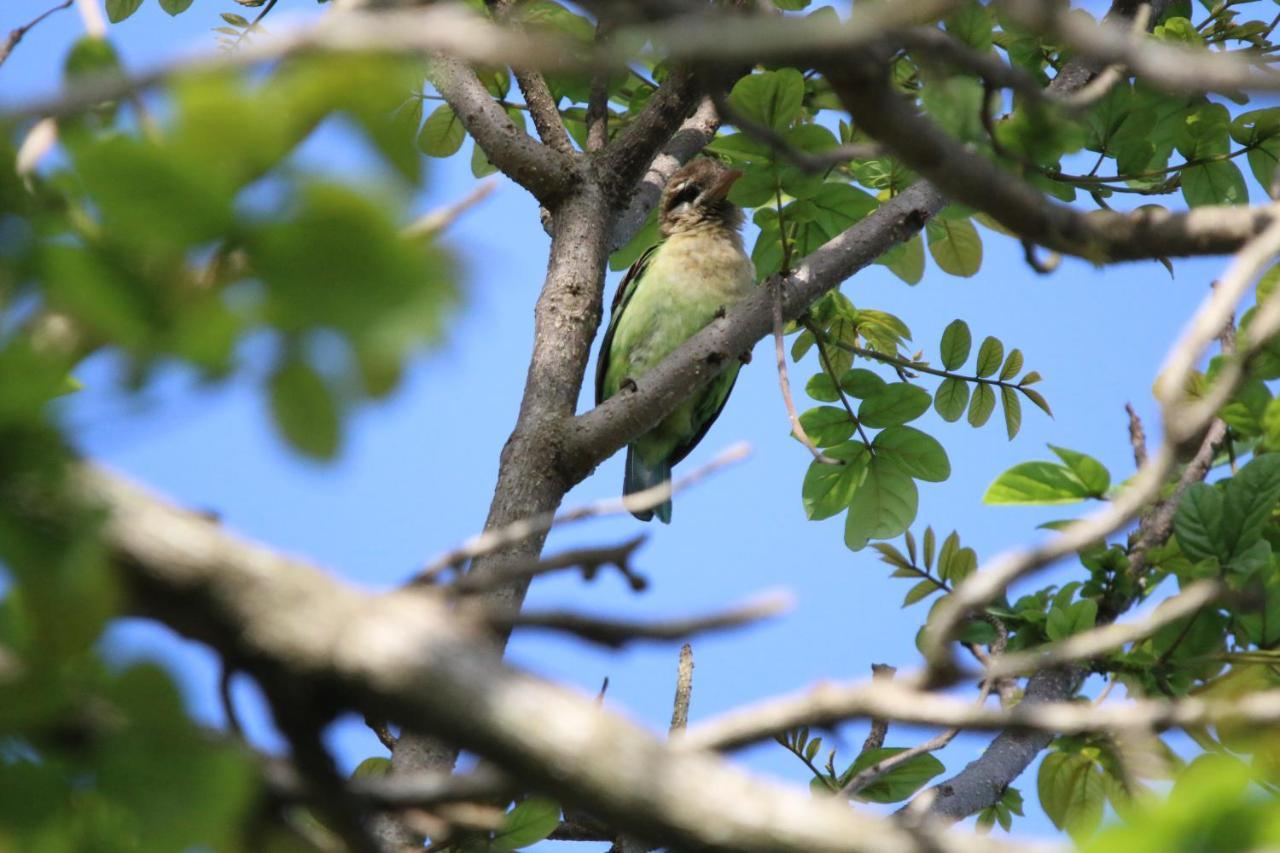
(417, 471)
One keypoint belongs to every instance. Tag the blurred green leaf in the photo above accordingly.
(528, 823)
(305, 409)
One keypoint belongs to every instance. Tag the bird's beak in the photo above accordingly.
(720, 189)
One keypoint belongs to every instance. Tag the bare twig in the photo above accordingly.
(257, 19)
(684, 690)
(616, 633)
(598, 99)
(382, 731)
(784, 382)
(494, 540)
(435, 221)
(879, 727)
(16, 34)
(228, 701)
(1137, 436)
(870, 774)
(589, 560)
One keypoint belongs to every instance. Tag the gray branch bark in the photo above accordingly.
(403, 656)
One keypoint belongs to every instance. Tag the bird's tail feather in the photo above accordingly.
(640, 477)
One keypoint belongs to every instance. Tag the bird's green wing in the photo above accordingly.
(707, 409)
(620, 299)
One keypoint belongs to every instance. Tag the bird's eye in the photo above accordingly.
(684, 195)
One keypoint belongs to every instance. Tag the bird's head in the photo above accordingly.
(695, 198)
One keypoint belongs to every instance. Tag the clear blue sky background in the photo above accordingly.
(417, 471)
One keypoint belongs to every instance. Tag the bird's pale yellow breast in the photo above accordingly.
(710, 261)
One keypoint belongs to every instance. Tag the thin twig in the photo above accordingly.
(598, 98)
(589, 560)
(494, 540)
(382, 731)
(228, 701)
(784, 382)
(616, 633)
(17, 34)
(879, 726)
(253, 25)
(1137, 436)
(870, 774)
(684, 690)
(435, 221)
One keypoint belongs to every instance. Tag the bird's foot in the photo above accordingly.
(721, 311)
(628, 384)
(715, 357)
(745, 357)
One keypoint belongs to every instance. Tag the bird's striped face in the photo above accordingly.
(695, 198)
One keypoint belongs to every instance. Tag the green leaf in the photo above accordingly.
(1198, 523)
(990, 354)
(118, 10)
(1089, 471)
(827, 425)
(955, 346)
(971, 23)
(982, 405)
(175, 7)
(883, 506)
(899, 782)
(897, 403)
(375, 765)
(480, 165)
(1012, 411)
(1249, 501)
(828, 489)
(862, 383)
(442, 133)
(920, 591)
(951, 398)
(955, 246)
(528, 823)
(1071, 619)
(771, 98)
(1216, 182)
(235, 20)
(1036, 483)
(907, 263)
(1037, 398)
(821, 388)
(1071, 791)
(1012, 365)
(919, 454)
(305, 410)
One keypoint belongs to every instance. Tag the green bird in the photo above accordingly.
(678, 286)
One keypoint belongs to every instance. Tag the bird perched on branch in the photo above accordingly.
(678, 286)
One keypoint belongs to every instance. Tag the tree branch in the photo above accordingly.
(974, 180)
(545, 172)
(403, 656)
